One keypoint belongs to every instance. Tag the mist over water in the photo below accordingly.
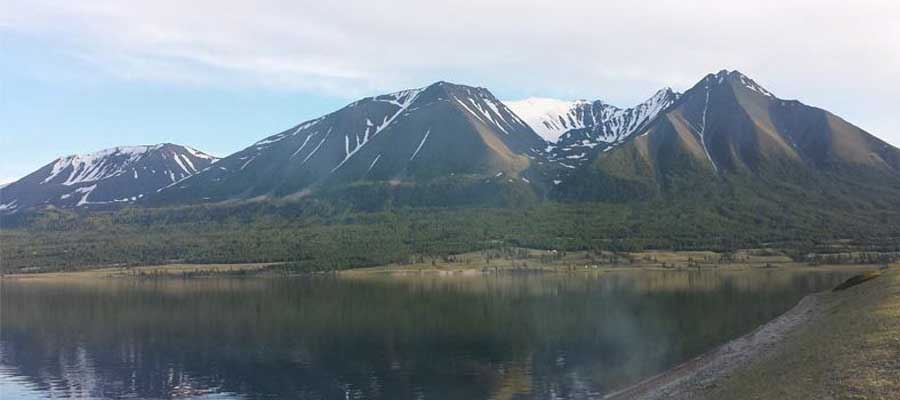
(383, 337)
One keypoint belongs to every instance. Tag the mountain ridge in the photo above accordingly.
(726, 125)
(554, 118)
(418, 134)
(447, 141)
(115, 175)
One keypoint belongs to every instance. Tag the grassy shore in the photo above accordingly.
(166, 270)
(510, 259)
(851, 352)
(542, 260)
(843, 344)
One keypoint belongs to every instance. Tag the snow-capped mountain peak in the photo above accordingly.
(576, 129)
(553, 119)
(99, 165)
(738, 79)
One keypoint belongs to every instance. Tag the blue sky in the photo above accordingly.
(218, 75)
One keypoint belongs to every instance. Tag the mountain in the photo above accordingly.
(439, 133)
(118, 175)
(729, 126)
(577, 129)
(451, 145)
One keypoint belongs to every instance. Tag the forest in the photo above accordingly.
(321, 234)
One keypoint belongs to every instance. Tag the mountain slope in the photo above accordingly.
(451, 145)
(117, 175)
(728, 125)
(414, 136)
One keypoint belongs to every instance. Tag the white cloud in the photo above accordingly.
(823, 51)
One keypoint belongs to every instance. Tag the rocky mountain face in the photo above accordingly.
(118, 175)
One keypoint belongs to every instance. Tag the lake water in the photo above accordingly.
(504, 336)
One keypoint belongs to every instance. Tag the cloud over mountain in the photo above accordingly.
(365, 45)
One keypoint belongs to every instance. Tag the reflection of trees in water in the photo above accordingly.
(444, 337)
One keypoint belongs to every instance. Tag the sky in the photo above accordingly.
(80, 76)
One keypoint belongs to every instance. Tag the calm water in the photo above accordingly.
(508, 336)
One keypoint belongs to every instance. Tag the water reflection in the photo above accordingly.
(497, 336)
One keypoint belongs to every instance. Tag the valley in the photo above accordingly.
(453, 200)
(721, 198)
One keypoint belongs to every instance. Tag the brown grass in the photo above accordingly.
(167, 270)
(475, 263)
(472, 263)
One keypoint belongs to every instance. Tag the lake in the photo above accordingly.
(497, 336)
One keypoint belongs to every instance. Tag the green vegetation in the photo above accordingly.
(314, 234)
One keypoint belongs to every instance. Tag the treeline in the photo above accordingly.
(317, 235)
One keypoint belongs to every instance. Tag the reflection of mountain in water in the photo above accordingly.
(477, 337)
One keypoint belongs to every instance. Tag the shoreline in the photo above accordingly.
(194, 271)
(697, 376)
(515, 260)
(145, 271)
(831, 344)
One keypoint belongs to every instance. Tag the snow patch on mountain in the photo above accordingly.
(86, 191)
(422, 143)
(372, 165)
(739, 78)
(199, 154)
(9, 206)
(107, 163)
(555, 119)
(401, 99)
(750, 84)
(485, 108)
(98, 165)
(114, 175)
(576, 128)
(549, 118)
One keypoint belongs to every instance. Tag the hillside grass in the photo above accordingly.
(852, 352)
